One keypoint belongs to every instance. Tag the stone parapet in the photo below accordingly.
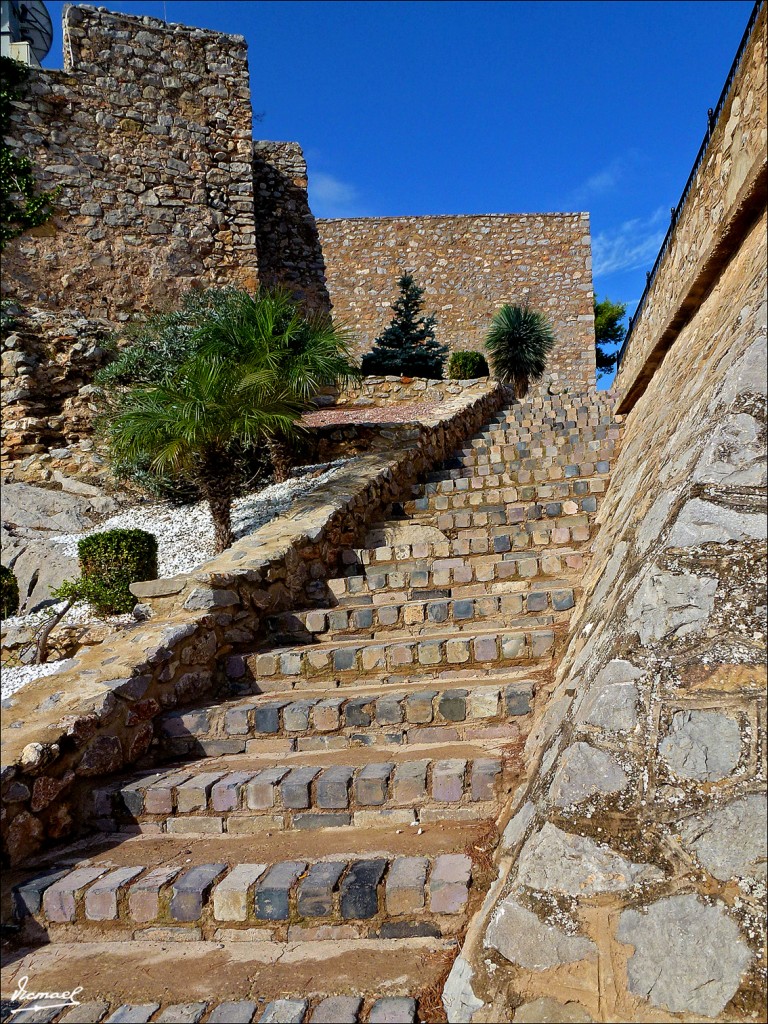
(96, 715)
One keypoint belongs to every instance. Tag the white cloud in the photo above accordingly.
(601, 182)
(631, 246)
(331, 197)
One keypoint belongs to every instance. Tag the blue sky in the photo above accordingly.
(487, 107)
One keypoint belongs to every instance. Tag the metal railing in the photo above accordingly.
(713, 116)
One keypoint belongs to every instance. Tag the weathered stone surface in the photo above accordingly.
(459, 1000)
(558, 861)
(584, 771)
(735, 455)
(518, 824)
(689, 957)
(703, 745)
(702, 522)
(611, 701)
(523, 939)
(550, 1011)
(671, 605)
(730, 840)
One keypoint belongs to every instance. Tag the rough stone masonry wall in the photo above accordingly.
(96, 714)
(633, 869)
(727, 192)
(469, 267)
(148, 133)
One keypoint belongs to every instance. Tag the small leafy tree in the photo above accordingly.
(467, 365)
(21, 205)
(609, 333)
(519, 341)
(408, 346)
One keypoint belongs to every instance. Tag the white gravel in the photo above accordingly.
(184, 541)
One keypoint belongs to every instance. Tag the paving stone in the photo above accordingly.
(199, 824)
(295, 788)
(296, 716)
(523, 939)
(611, 701)
(315, 898)
(86, 1013)
(404, 890)
(337, 1010)
(190, 891)
(28, 897)
(132, 1013)
(704, 745)
(430, 652)
(584, 771)
(448, 780)
(359, 899)
(355, 714)
(729, 840)
(266, 717)
(409, 782)
(418, 707)
(550, 1011)
(239, 1012)
(517, 699)
(325, 714)
(453, 705)
(59, 899)
(670, 605)
(449, 883)
(144, 895)
(393, 1010)
(483, 702)
(389, 710)
(485, 771)
(459, 1000)
(344, 659)
(541, 644)
(230, 897)
(273, 890)
(557, 861)
(485, 648)
(182, 1013)
(225, 794)
(437, 611)
(101, 898)
(689, 956)
(38, 1015)
(371, 783)
(284, 1011)
(193, 794)
(311, 820)
(332, 789)
(290, 663)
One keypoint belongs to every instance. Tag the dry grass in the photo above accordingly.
(431, 1010)
(482, 849)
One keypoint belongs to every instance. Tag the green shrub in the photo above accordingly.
(9, 593)
(465, 365)
(407, 348)
(519, 342)
(109, 563)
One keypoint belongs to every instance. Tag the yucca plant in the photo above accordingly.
(518, 344)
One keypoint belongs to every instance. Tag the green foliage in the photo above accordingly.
(467, 365)
(109, 563)
(21, 205)
(9, 593)
(519, 341)
(407, 348)
(609, 333)
(256, 362)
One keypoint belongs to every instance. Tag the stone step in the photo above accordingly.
(415, 617)
(557, 515)
(348, 897)
(345, 661)
(540, 470)
(465, 709)
(244, 795)
(450, 562)
(371, 981)
(479, 497)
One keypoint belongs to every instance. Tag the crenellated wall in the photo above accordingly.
(469, 266)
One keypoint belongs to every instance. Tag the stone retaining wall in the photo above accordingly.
(632, 871)
(469, 266)
(96, 714)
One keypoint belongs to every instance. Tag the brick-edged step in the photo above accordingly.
(345, 661)
(417, 616)
(450, 562)
(510, 515)
(446, 711)
(490, 490)
(340, 897)
(197, 798)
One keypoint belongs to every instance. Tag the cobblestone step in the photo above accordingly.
(469, 558)
(384, 715)
(490, 497)
(416, 616)
(348, 897)
(451, 480)
(345, 661)
(251, 797)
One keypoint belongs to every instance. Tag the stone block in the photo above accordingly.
(325, 714)
(373, 658)
(230, 897)
(182, 1013)
(312, 820)
(190, 891)
(315, 895)
(452, 705)
(260, 791)
(404, 890)
(483, 702)
(485, 648)
(337, 1010)
(449, 883)
(240, 1011)
(430, 652)
(101, 898)
(448, 780)
(517, 698)
(192, 795)
(266, 717)
(371, 783)
(437, 611)
(541, 644)
(401, 654)
(195, 823)
(85, 1013)
(456, 651)
(484, 773)
(359, 898)
(418, 707)
(144, 895)
(537, 601)
(355, 714)
(237, 720)
(59, 899)
(284, 1011)
(296, 716)
(296, 787)
(393, 1010)
(272, 893)
(133, 1013)
(225, 794)
(389, 710)
(344, 659)
(332, 787)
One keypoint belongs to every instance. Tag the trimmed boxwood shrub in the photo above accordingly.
(110, 562)
(9, 593)
(464, 365)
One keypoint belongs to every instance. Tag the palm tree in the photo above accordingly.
(518, 343)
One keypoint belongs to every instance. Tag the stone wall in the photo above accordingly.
(469, 266)
(148, 133)
(96, 714)
(383, 391)
(727, 194)
(287, 242)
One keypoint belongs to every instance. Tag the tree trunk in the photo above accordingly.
(281, 457)
(520, 383)
(217, 482)
(41, 648)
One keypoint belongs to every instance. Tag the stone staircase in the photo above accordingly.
(321, 837)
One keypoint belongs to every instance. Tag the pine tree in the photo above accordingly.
(407, 348)
(609, 333)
